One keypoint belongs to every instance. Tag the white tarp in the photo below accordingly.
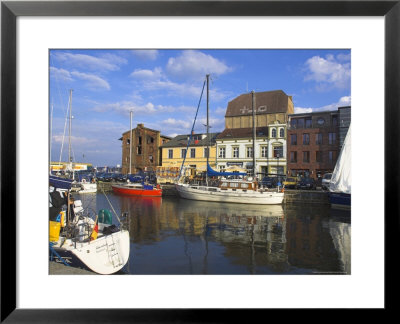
(341, 177)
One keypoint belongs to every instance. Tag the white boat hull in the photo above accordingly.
(240, 197)
(106, 255)
(88, 188)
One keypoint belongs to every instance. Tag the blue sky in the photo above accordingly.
(163, 87)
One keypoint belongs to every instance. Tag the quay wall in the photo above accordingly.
(291, 196)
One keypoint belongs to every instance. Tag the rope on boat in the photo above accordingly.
(53, 252)
(111, 206)
(191, 133)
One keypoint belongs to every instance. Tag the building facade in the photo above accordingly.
(146, 152)
(174, 151)
(271, 107)
(312, 143)
(234, 144)
(235, 148)
(344, 123)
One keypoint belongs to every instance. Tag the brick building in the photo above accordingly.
(312, 143)
(146, 151)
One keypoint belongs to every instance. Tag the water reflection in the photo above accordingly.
(179, 236)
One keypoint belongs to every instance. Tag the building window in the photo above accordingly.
(332, 138)
(235, 152)
(222, 168)
(318, 139)
(192, 153)
(306, 139)
(139, 150)
(318, 156)
(306, 156)
(334, 121)
(293, 157)
(151, 159)
(300, 123)
(128, 141)
(206, 152)
(140, 140)
(278, 151)
(308, 122)
(150, 140)
(293, 139)
(331, 156)
(273, 132)
(281, 132)
(264, 151)
(249, 152)
(221, 152)
(170, 154)
(183, 153)
(293, 123)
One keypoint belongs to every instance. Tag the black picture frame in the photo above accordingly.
(10, 10)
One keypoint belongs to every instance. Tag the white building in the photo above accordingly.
(235, 148)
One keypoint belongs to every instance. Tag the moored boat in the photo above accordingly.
(232, 191)
(79, 240)
(137, 189)
(243, 190)
(340, 185)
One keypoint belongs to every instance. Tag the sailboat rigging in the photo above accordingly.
(244, 190)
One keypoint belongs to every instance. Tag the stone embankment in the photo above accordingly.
(291, 196)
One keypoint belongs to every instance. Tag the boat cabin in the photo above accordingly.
(237, 185)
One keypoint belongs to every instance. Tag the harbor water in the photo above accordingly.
(175, 236)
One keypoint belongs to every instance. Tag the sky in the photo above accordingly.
(163, 87)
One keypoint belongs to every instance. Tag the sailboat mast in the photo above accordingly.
(253, 105)
(70, 126)
(130, 143)
(208, 125)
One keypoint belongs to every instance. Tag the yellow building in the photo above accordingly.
(174, 152)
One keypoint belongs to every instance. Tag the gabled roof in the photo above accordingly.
(182, 140)
(229, 133)
(265, 102)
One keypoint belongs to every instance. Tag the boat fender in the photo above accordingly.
(158, 186)
(83, 180)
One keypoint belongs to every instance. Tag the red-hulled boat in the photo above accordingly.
(137, 189)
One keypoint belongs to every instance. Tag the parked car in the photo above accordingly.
(272, 182)
(307, 183)
(290, 183)
(119, 177)
(326, 180)
(108, 177)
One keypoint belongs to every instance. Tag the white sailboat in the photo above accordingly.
(78, 240)
(81, 185)
(340, 185)
(242, 191)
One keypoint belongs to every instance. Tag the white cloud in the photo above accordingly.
(328, 72)
(155, 74)
(93, 82)
(195, 64)
(343, 101)
(108, 62)
(60, 74)
(146, 54)
(176, 123)
(124, 108)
